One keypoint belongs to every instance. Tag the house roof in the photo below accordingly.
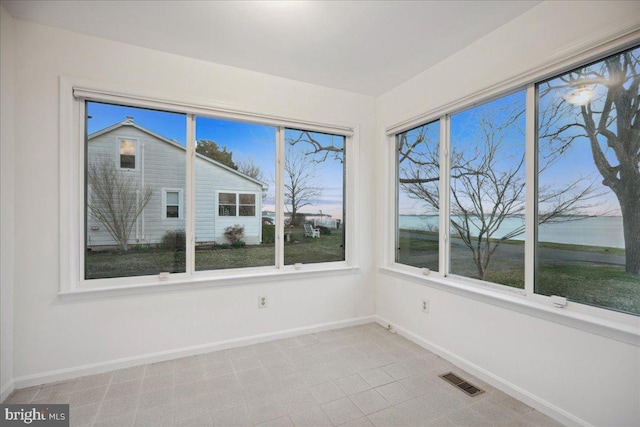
(128, 121)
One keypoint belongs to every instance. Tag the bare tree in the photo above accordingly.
(115, 200)
(487, 180)
(300, 183)
(610, 121)
(251, 169)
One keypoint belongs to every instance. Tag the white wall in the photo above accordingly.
(576, 373)
(7, 170)
(56, 335)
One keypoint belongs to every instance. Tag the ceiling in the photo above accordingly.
(366, 47)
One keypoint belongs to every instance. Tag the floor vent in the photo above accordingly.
(455, 380)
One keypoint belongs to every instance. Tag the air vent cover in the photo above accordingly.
(461, 384)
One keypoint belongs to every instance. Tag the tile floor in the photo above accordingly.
(357, 376)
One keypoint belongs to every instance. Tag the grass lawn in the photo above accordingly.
(144, 261)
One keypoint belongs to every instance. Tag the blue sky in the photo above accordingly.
(247, 141)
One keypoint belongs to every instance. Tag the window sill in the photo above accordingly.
(203, 280)
(514, 300)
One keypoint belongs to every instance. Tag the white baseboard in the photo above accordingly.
(6, 390)
(97, 368)
(501, 384)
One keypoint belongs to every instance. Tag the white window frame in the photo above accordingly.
(73, 94)
(620, 326)
(237, 193)
(136, 157)
(180, 203)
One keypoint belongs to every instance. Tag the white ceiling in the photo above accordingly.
(366, 47)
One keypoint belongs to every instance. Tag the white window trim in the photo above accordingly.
(136, 158)
(180, 203)
(612, 324)
(237, 193)
(73, 93)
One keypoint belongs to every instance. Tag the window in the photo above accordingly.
(172, 204)
(418, 201)
(577, 201)
(588, 238)
(215, 182)
(125, 204)
(227, 204)
(487, 191)
(127, 154)
(314, 197)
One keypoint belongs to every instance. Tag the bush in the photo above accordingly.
(268, 233)
(234, 234)
(174, 241)
(224, 246)
(324, 231)
(238, 244)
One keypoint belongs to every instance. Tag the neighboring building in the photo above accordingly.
(224, 196)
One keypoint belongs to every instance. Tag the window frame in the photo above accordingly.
(165, 204)
(603, 321)
(237, 203)
(74, 93)
(136, 156)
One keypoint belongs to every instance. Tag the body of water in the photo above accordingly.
(594, 231)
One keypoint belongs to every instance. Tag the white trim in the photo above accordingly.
(96, 368)
(7, 390)
(136, 155)
(91, 91)
(531, 190)
(620, 329)
(490, 378)
(165, 205)
(238, 193)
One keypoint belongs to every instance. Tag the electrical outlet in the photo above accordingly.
(263, 302)
(425, 305)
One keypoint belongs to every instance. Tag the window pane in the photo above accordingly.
(125, 234)
(488, 191)
(233, 158)
(314, 197)
(172, 211)
(418, 165)
(588, 247)
(172, 198)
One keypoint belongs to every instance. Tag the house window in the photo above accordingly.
(314, 171)
(227, 204)
(418, 202)
(172, 204)
(247, 204)
(213, 182)
(127, 154)
(577, 201)
(588, 237)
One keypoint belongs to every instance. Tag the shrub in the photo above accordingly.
(224, 246)
(238, 244)
(268, 233)
(174, 240)
(234, 234)
(324, 231)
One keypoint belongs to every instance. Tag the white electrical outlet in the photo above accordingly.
(263, 302)
(424, 305)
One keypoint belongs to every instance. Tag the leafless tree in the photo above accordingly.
(300, 183)
(115, 200)
(609, 120)
(487, 180)
(251, 169)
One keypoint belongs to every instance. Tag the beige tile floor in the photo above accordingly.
(356, 376)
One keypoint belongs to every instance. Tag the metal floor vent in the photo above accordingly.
(455, 380)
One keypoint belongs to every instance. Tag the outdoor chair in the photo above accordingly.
(310, 231)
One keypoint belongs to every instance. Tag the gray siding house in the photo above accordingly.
(224, 196)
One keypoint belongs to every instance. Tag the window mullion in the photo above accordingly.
(445, 171)
(190, 194)
(531, 190)
(279, 202)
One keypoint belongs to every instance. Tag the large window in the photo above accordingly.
(418, 200)
(568, 178)
(169, 193)
(588, 240)
(314, 197)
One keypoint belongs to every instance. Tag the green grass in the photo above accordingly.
(148, 260)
